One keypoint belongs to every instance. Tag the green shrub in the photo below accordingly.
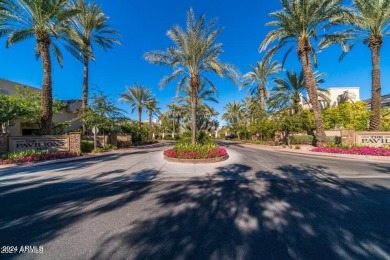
(201, 138)
(256, 142)
(22, 154)
(124, 144)
(297, 147)
(86, 146)
(302, 139)
(110, 147)
(97, 150)
(333, 140)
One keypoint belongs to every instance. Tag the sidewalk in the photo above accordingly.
(305, 150)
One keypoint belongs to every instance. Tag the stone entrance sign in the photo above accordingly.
(372, 138)
(69, 142)
(51, 143)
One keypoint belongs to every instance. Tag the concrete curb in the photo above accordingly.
(197, 161)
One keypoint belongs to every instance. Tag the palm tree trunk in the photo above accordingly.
(139, 117)
(47, 92)
(139, 124)
(297, 99)
(173, 127)
(375, 120)
(262, 96)
(84, 102)
(304, 49)
(150, 118)
(194, 91)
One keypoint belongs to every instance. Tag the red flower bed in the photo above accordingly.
(374, 151)
(39, 157)
(180, 154)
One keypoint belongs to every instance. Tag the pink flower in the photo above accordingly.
(367, 150)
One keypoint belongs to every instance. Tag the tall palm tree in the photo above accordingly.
(299, 23)
(175, 112)
(138, 97)
(290, 90)
(251, 108)
(195, 53)
(260, 74)
(370, 22)
(234, 113)
(90, 28)
(48, 21)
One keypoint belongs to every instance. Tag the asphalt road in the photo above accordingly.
(259, 204)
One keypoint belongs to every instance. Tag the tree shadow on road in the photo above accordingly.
(271, 219)
(295, 218)
(383, 168)
(35, 213)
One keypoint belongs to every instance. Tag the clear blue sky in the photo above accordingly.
(143, 26)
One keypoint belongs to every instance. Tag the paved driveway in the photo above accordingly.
(244, 164)
(269, 206)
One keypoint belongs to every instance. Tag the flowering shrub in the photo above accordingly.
(196, 151)
(34, 156)
(367, 150)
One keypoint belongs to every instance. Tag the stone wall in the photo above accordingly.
(333, 132)
(347, 137)
(124, 141)
(75, 142)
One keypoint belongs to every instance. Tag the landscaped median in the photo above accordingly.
(366, 150)
(34, 156)
(196, 153)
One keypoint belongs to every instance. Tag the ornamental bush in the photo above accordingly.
(195, 151)
(34, 156)
(301, 139)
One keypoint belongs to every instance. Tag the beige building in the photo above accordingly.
(19, 128)
(335, 96)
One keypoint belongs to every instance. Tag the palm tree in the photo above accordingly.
(260, 74)
(175, 111)
(204, 111)
(151, 106)
(234, 114)
(89, 27)
(48, 21)
(370, 22)
(290, 90)
(138, 97)
(299, 23)
(195, 53)
(251, 108)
